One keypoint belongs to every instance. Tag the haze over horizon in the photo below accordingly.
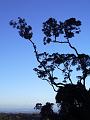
(19, 84)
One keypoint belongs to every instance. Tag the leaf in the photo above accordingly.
(64, 81)
(79, 77)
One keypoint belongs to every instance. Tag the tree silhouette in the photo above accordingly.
(46, 110)
(72, 98)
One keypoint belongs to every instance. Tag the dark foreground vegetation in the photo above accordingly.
(19, 116)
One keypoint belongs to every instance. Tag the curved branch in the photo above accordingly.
(52, 83)
(72, 47)
(59, 41)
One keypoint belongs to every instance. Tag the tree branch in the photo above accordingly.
(72, 47)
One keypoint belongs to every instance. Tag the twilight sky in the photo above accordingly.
(19, 85)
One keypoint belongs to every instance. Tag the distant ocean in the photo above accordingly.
(18, 110)
(22, 109)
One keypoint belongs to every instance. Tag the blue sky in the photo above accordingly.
(19, 85)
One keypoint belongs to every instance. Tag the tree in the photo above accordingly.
(46, 111)
(71, 97)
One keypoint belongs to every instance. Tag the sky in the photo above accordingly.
(19, 85)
